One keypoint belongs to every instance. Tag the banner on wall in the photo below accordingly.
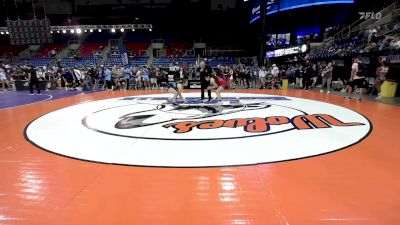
(272, 6)
(288, 51)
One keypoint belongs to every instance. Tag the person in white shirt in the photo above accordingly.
(78, 77)
(139, 78)
(262, 74)
(357, 78)
(275, 75)
(3, 79)
(381, 73)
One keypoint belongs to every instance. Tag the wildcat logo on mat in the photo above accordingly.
(242, 129)
(260, 125)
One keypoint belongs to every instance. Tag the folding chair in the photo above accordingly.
(132, 84)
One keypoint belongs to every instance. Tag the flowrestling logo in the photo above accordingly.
(243, 129)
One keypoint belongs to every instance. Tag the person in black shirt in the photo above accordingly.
(308, 72)
(204, 70)
(247, 77)
(33, 79)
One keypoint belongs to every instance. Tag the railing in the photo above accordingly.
(367, 23)
(362, 24)
(210, 52)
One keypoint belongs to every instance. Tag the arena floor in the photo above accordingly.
(314, 159)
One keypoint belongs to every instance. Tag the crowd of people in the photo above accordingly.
(120, 77)
(305, 75)
(385, 38)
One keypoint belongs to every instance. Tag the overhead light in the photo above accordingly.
(122, 29)
(150, 30)
(99, 30)
(72, 31)
(64, 31)
(113, 30)
(91, 30)
(85, 31)
(58, 31)
(78, 31)
(2, 33)
(51, 32)
(7, 32)
(133, 29)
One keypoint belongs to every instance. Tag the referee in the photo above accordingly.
(204, 70)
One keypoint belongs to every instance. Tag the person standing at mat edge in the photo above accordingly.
(33, 80)
(204, 70)
(357, 78)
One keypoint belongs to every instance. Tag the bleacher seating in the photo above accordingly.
(11, 50)
(121, 49)
(89, 48)
(114, 61)
(247, 61)
(138, 61)
(83, 61)
(166, 61)
(46, 48)
(138, 48)
(176, 49)
(226, 61)
(36, 62)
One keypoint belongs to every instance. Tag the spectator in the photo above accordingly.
(3, 79)
(275, 75)
(127, 76)
(307, 75)
(262, 75)
(381, 73)
(107, 78)
(327, 78)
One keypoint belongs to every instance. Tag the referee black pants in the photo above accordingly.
(204, 85)
(34, 83)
